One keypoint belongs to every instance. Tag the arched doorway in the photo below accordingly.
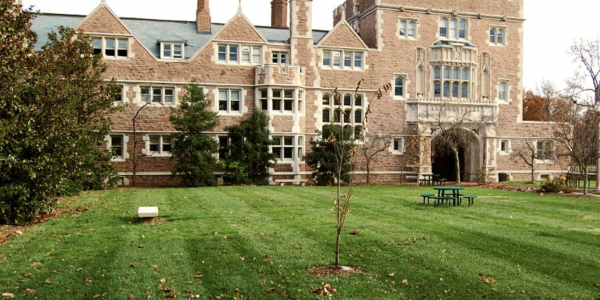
(443, 158)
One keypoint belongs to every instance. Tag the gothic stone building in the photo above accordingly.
(443, 59)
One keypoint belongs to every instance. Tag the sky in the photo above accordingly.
(550, 29)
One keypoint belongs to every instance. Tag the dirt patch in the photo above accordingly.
(327, 271)
(8, 231)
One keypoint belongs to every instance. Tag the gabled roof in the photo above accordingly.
(342, 35)
(148, 31)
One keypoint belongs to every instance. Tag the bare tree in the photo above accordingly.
(585, 84)
(373, 145)
(455, 130)
(529, 155)
(573, 134)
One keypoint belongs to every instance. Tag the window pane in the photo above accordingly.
(347, 100)
(437, 73)
(110, 47)
(500, 36)
(326, 116)
(283, 57)
(275, 57)
(256, 55)
(235, 95)
(446, 73)
(246, 54)
(399, 88)
(347, 114)
(402, 28)
(337, 60)
(222, 53)
(289, 94)
(145, 94)
(223, 100)
(462, 30)
(452, 32)
(169, 95)
(358, 116)
(326, 99)
(276, 104)
(277, 151)
(465, 74)
(358, 100)
(437, 91)
(358, 60)
(411, 29)
(288, 141)
(97, 45)
(178, 51)
(288, 105)
(455, 89)
(455, 74)
(358, 132)
(347, 59)
(166, 146)
(276, 93)
(465, 90)
(493, 35)
(288, 152)
(157, 95)
(233, 53)
(327, 58)
(446, 89)
(166, 50)
(443, 27)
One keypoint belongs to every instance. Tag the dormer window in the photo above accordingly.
(172, 50)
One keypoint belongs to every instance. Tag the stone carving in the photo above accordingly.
(457, 53)
(486, 62)
(421, 57)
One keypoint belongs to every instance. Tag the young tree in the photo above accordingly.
(135, 160)
(193, 148)
(248, 160)
(53, 106)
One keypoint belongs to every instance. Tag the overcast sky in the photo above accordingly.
(550, 29)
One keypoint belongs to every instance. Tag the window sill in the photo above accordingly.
(230, 114)
(356, 69)
(156, 104)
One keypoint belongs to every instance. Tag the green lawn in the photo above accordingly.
(258, 242)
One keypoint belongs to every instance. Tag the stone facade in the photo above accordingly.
(289, 73)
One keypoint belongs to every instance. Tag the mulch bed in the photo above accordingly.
(327, 271)
(8, 231)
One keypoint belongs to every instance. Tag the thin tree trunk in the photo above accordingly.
(368, 174)
(457, 166)
(532, 172)
(585, 182)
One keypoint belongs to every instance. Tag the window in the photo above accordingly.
(453, 28)
(158, 145)
(398, 145)
(288, 148)
(504, 147)
(503, 90)
(545, 150)
(408, 28)
(119, 95)
(343, 59)
(497, 36)
(279, 57)
(353, 107)
(172, 50)
(223, 147)
(400, 86)
(111, 47)
(240, 54)
(229, 100)
(455, 82)
(159, 95)
(281, 100)
(117, 144)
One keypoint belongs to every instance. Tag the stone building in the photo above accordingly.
(443, 59)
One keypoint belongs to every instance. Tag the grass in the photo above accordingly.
(258, 242)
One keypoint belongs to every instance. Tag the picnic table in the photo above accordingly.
(449, 193)
(429, 178)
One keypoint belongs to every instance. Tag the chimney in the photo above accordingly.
(203, 16)
(279, 13)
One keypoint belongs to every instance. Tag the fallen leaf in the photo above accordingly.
(391, 275)
(197, 276)
(8, 295)
(167, 290)
(47, 280)
(80, 269)
(27, 275)
(237, 290)
(133, 265)
(405, 281)
(355, 232)
(88, 279)
(30, 291)
(171, 296)
(99, 296)
(130, 297)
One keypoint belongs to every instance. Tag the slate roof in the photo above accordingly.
(149, 32)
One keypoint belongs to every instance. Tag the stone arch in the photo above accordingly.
(443, 161)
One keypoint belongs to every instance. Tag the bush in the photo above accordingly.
(567, 189)
(550, 187)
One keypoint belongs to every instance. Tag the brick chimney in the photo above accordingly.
(279, 13)
(203, 16)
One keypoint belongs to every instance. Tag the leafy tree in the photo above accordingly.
(193, 148)
(248, 159)
(540, 105)
(323, 157)
(53, 108)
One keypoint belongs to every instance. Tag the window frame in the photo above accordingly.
(404, 24)
(280, 57)
(503, 96)
(163, 95)
(450, 28)
(497, 35)
(335, 116)
(450, 82)
(404, 88)
(172, 45)
(124, 140)
(336, 59)
(229, 92)
(506, 144)
(103, 47)
(297, 147)
(545, 157)
(237, 57)
(266, 100)
(393, 145)
(148, 141)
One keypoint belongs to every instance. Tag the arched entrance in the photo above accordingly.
(443, 158)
